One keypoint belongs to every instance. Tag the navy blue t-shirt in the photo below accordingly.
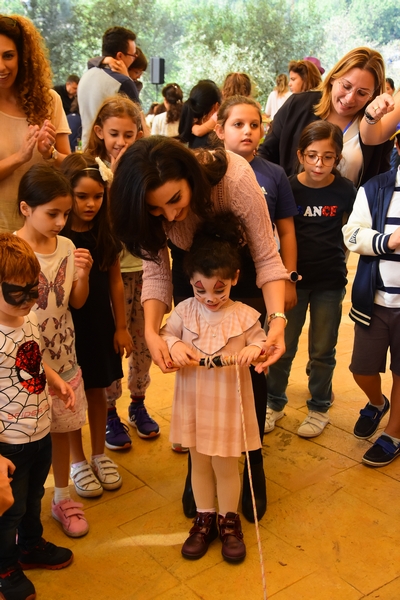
(276, 188)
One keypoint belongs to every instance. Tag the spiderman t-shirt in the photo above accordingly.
(57, 274)
(24, 404)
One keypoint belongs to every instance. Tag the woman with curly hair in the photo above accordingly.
(33, 124)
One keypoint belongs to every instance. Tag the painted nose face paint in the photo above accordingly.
(16, 295)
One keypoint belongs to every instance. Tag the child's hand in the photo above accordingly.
(83, 262)
(114, 161)
(123, 342)
(60, 387)
(182, 354)
(7, 468)
(247, 355)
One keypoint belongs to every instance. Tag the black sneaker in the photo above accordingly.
(14, 585)
(381, 453)
(45, 556)
(369, 420)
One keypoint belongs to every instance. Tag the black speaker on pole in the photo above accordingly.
(157, 69)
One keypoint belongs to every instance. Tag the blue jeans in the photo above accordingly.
(325, 315)
(32, 463)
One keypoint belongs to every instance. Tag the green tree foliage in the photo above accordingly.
(209, 38)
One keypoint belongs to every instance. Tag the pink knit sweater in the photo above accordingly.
(239, 192)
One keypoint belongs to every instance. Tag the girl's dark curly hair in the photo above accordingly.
(215, 247)
(33, 81)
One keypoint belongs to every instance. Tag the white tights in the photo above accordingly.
(226, 470)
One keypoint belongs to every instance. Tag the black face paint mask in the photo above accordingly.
(16, 295)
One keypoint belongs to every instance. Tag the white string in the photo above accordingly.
(251, 483)
(226, 361)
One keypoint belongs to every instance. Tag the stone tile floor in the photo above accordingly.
(331, 531)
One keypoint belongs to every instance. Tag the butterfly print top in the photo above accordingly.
(56, 277)
(24, 405)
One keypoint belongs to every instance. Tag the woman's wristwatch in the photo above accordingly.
(277, 315)
(53, 155)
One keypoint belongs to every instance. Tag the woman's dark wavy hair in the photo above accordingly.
(215, 247)
(201, 100)
(147, 165)
(74, 168)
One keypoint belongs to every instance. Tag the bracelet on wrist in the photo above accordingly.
(277, 315)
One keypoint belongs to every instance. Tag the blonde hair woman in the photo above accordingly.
(33, 124)
(340, 99)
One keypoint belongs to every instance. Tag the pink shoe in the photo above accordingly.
(71, 516)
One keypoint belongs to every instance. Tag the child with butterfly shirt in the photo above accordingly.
(100, 325)
(45, 200)
(116, 127)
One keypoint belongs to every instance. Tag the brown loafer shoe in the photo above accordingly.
(203, 532)
(230, 532)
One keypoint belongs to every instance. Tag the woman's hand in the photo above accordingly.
(381, 105)
(46, 139)
(28, 144)
(123, 342)
(159, 352)
(275, 344)
(182, 355)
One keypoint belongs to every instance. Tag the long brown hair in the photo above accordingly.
(33, 81)
(359, 58)
(308, 72)
(74, 167)
(115, 106)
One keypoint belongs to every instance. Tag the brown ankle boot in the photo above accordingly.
(230, 532)
(203, 532)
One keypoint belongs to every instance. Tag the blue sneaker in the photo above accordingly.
(146, 427)
(369, 419)
(117, 436)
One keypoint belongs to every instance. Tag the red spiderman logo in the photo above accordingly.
(29, 367)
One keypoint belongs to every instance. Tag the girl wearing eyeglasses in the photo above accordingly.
(340, 99)
(324, 200)
(33, 124)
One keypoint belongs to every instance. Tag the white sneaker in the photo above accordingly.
(313, 425)
(271, 418)
(106, 472)
(85, 481)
